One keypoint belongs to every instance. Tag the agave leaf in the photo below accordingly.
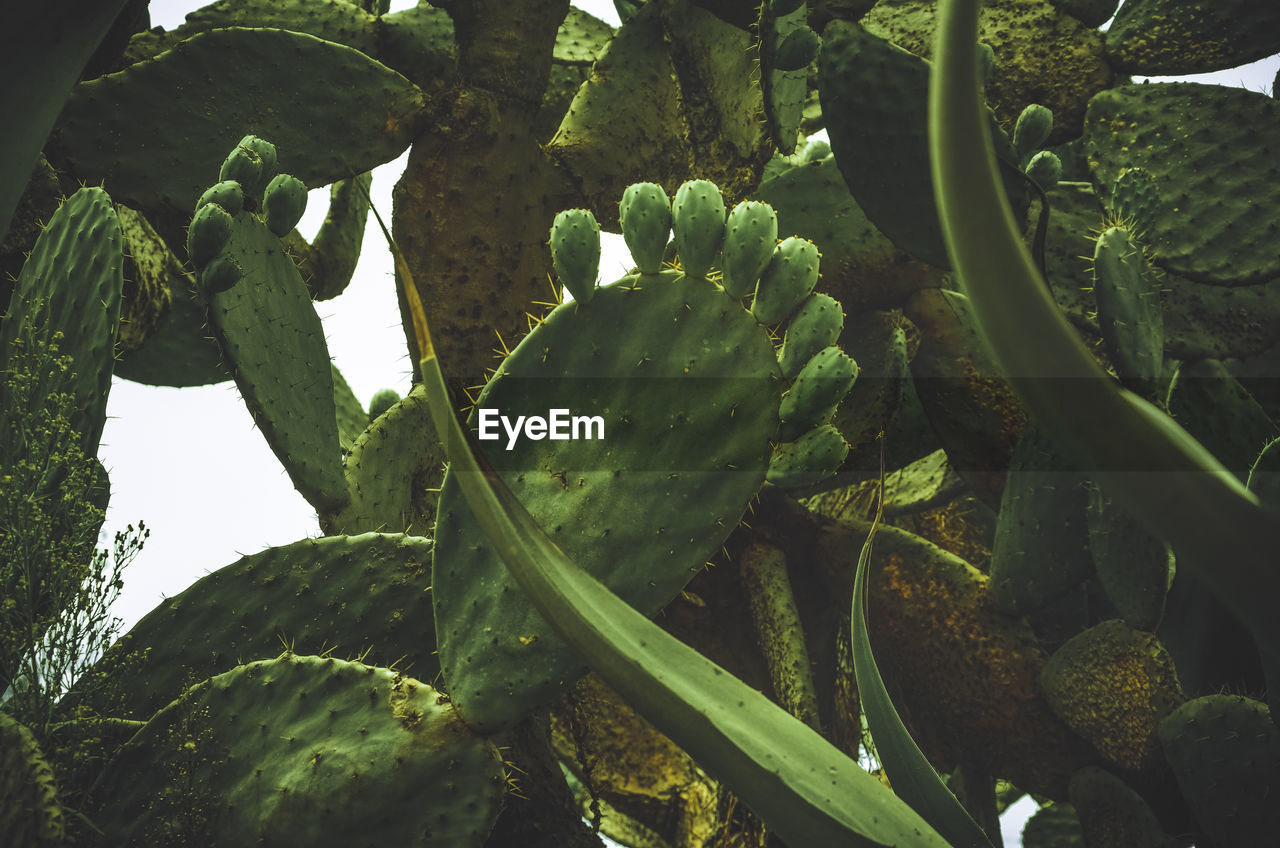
(912, 778)
(800, 785)
(1155, 469)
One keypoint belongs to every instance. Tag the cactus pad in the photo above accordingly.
(1170, 37)
(271, 335)
(1225, 752)
(333, 108)
(71, 284)
(304, 750)
(1220, 201)
(874, 97)
(357, 595)
(687, 388)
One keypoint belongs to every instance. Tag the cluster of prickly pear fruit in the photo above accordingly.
(1073, 652)
(248, 182)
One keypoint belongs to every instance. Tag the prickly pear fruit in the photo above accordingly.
(697, 217)
(786, 281)
(220, 274)
(806, 461)
(266, 152)
(226, 194)
(284, 202)
(209, 232)
(751, 234)
(797, 50)
(1032, 129)
(645, 215)
(822, 383)
(816, 150)
(382, 400)
(575, 252)
(247, 168)
(816, 325)
(1045, 168)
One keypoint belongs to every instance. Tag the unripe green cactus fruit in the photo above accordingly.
(822, 383)
(381, 401)
(266, 152)
(575, 252)
(1045, 168)
(284, 202)
(1032, 130)
(816, 325)
(787, 280)
(209, 232)
(697, 218)
(750, 237)
(645, 215)
(226, 194)
(246, 168)
(220, 274)
(809, 459)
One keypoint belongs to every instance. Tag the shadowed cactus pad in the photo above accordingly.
(1225, 752)
(304, 751)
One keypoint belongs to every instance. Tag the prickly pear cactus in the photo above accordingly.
(262, 315)
(675, 390)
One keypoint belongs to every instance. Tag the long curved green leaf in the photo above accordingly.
(800, 785)
(1154, 468)
(913, 779)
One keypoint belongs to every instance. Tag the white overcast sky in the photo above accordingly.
(190, 463)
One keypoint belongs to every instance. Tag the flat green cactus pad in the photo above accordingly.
(391, 469)
(71, 285)
(688, 387)
(304, 750)
(366, 595)
(1174, 37)
(333, 108)
(180, 352)
(581, 38)
(784, 87)
(1219, 196)
(271, 335)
